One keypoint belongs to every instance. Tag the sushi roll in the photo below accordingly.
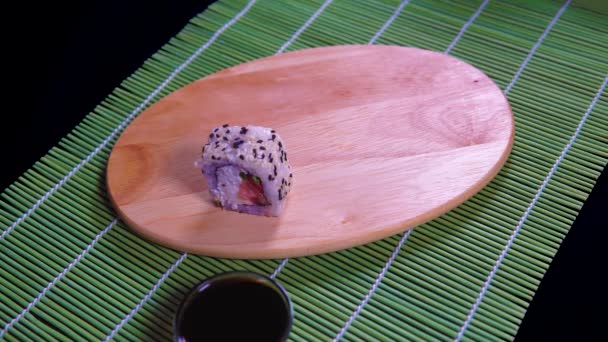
(247, 170)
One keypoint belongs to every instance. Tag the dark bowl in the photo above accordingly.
(238, 305)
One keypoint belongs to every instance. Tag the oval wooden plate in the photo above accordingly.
(380, 138)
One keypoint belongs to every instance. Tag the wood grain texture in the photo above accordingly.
(381, 139)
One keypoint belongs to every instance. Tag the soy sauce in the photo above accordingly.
(234, 308)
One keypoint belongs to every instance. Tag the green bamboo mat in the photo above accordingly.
(70, 270)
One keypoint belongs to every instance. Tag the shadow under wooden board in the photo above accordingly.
(380, 139)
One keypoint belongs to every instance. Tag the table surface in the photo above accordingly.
(83, 51)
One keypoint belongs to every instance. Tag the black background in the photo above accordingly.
(63, 58)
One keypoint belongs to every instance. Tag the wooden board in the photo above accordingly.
(381, 139)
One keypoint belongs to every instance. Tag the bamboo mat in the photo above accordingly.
(70, 270)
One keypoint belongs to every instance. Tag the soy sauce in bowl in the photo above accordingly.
(234, 306)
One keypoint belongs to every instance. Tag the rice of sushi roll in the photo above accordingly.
(247, 169)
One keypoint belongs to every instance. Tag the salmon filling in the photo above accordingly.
(251, 190)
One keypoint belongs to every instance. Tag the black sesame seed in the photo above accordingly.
(275, 170)
(225, 139)
(255, 153)
(285, 156)
(227, 131)
(262, 148)
(223, 184)
(263, 155)
(237, 144)
(280, 195)
(223, 149)
(280, 145)
(211, 136)
(259, 141)
(290, 175)
(274, 137)
(269, 177)
(217, 136)
(272, 131)
(225, 125)
(213, 157)
(242, 157)
(244, 130)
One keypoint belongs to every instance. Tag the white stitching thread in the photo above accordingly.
(128, 119)
(147, 296)
(536, 45)
(304, 27)
(388, 22)
(185, 255)
(374, 287)
(279, 268)
(466, 26)
(57, 278)
(543, 185)
(524, 217)
(372, 290)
